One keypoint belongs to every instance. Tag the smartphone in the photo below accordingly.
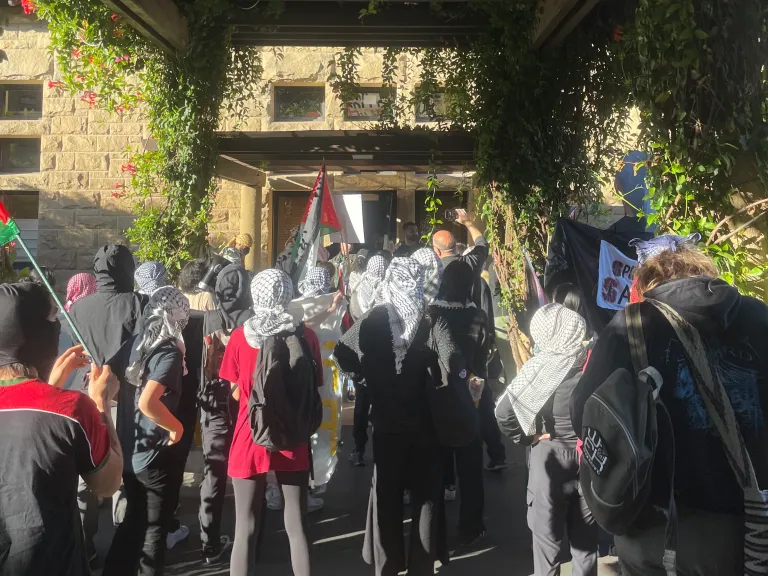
(450, 215)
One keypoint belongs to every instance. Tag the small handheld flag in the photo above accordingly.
(9, 232)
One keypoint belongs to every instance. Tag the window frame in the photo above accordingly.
(5, 153)
(7, 88)
(368, 90)
(278, 118)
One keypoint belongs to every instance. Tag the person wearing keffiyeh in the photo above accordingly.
(364, 297)
(433, 272)
(316, 283)
(147, 427)
(150, 276)
(79, 285)
(389, 348)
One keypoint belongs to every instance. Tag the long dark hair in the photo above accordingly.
(570, 296)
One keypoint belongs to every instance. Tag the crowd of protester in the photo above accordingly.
(419, 347)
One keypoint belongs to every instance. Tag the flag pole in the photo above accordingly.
(75, 331)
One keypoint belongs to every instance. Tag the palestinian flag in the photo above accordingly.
(8, 228)
(319, 220)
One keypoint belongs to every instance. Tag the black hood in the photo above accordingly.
(233, 299)
(113, 267)
(708, 304)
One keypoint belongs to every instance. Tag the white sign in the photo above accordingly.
(615, 277)
(349, 209)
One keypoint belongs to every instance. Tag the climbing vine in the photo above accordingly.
(697, 73)
(184, 97)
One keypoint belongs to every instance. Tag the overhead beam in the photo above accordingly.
(558, 19)
(361, 150)
(159, 21)
(333, 23)
(230, 168)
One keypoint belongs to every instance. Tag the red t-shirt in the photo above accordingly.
(247, 459)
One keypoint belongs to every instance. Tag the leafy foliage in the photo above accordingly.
(185, 96)
(697, 72)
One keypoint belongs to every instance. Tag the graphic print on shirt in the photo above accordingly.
(740, 384)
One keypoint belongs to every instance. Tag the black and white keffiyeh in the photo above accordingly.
(402, 292)
(165, 317)
(316, 283)
(433, 272)
(271, 291)
(372, 278)
(150, 276)
(559, 335)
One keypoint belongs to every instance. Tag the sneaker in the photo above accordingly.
(274, 497)
(213, 554)
(450, 493)
(465, 542)
(407, 497)
(494, 465)
(178, 535)
(357, 458)
(314, 503)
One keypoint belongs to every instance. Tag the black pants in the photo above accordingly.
(362, 409)
(249, 515)
(557, 508)
(469, 468)
(138, 546)
(489, 428)
(216, 426)
(402, 461)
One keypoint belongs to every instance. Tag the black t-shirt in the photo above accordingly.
(140, 438)
(49, 438)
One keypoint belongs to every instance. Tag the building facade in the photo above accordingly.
(61, 161)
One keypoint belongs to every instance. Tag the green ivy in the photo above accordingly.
(185, 96)
(697, 72)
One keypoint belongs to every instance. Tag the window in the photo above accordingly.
(368, 104)
(19, 155)
(23, 207)
(299, 103)
(20, 101)
(440, 105)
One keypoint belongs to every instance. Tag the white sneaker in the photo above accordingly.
(274, 497)
(450, 493)
(176, 536)
(314, 503)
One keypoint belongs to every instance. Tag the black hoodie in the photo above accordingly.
(734, 328)
(233, 301)
(109, 317)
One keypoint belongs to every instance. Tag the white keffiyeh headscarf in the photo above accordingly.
(271, 291)
(165, 317)
(433, 272)
(316, 283)
(559, 334)
(402, 292)
(150, 276)
(372, 278)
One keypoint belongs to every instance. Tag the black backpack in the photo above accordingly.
(620, 434)
(284, 408)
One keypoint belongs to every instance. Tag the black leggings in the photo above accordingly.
(249, 507)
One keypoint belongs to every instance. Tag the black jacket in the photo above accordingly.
(481, 293)
(109, 317)
(469, 330)
(734, 328)
(399, 402)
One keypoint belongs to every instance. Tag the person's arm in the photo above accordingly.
(73, 359)
(483, 352)
(318, 319)
(154, 409)
(230, 365)
(102, 478)
(479, 253)
(464, 219)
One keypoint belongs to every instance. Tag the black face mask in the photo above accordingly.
(245, 251)
(27, 334)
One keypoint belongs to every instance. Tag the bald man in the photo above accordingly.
(444, 244)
